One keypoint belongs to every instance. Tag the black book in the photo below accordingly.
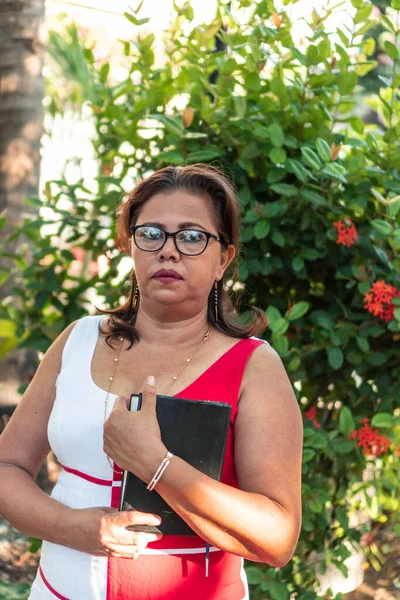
(194, 430)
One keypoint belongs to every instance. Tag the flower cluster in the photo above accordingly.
(378, 300)
(346, 233)
(311, 413)
(369, 439)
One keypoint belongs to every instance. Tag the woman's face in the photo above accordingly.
(173, 211)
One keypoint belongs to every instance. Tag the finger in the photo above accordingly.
(135, 517)
(149, 394)
(122, 551)
(139, 538)
(121, 403)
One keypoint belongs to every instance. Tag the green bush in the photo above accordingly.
(320, 193)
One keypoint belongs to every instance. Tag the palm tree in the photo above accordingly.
(21, 93)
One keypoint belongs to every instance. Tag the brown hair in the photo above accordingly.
(207, 182)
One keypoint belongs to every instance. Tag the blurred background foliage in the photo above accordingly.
(319, 185)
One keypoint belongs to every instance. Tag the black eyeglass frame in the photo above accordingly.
(134, 228)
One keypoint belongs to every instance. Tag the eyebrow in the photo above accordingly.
(180, 225)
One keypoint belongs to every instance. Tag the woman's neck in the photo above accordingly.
(172, 333)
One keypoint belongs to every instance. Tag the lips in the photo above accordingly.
(167, 274)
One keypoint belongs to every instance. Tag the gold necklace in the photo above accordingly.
(116, 359)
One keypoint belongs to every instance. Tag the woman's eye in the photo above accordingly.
(151, 233)
(191, 236)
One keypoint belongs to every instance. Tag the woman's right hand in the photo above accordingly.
(102, 531)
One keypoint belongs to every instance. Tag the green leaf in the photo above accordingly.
(315, 505)
(382, 226)
(335, 170)
(299, 55)
(397, 314)
(279, 326)
(298, 263)
(308, 454)
(36, 543)
(240, 104)
(369, 46)
(88, 54)
(347, 82)
(346, 421)
(362, 343)
(273, 313)
(296, 167)
(14, 591)
(261, 229)
(310, 254)
(280, 343)
(343, 446)
(364, 68)
(3, 277)
(298, 310)
(310, 158)
(250, 151)
(396, 4)
(174, 125)
(208, 153)
(343, 38)
(276, 135)
(318, 441)
(174, 157)
(284, 189)
(104, 72)
(277, 590)
(357, 125)
(7, 328)
(363, 13)
(254, 575)
(391, 50)
(313, 197)
(382, 420)
(294, 364)
(134, 20)
(323, 149)
(278, 238)
(277, 155)
(335, 357)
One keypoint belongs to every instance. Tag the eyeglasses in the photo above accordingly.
(190, 242)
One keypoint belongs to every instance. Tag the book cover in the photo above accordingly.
(194, 430)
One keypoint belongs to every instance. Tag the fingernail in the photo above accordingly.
(157, 520)
(151, 380)
(136, 556)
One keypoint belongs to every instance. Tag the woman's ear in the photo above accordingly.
(227, 256)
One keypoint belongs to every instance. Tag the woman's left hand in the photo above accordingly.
(133, 439)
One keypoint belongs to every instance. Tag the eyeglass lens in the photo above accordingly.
(188, 241)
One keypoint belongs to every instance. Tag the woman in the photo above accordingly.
(176, 335)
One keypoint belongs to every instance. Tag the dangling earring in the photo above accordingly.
(216, 299)
(135, 298)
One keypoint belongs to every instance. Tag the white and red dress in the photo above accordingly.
(170, 569)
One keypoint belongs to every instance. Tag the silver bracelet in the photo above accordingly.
(157, 475)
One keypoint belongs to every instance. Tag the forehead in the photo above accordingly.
(177, 206)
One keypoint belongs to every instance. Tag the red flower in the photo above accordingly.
(370, 440)
(346, 234)
(311, 413)
(378, 301)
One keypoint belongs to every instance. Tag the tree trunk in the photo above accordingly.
(21, 93)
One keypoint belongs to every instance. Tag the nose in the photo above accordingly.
(169, 251)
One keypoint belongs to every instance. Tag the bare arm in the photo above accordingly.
(23, 448)
(261, 521)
